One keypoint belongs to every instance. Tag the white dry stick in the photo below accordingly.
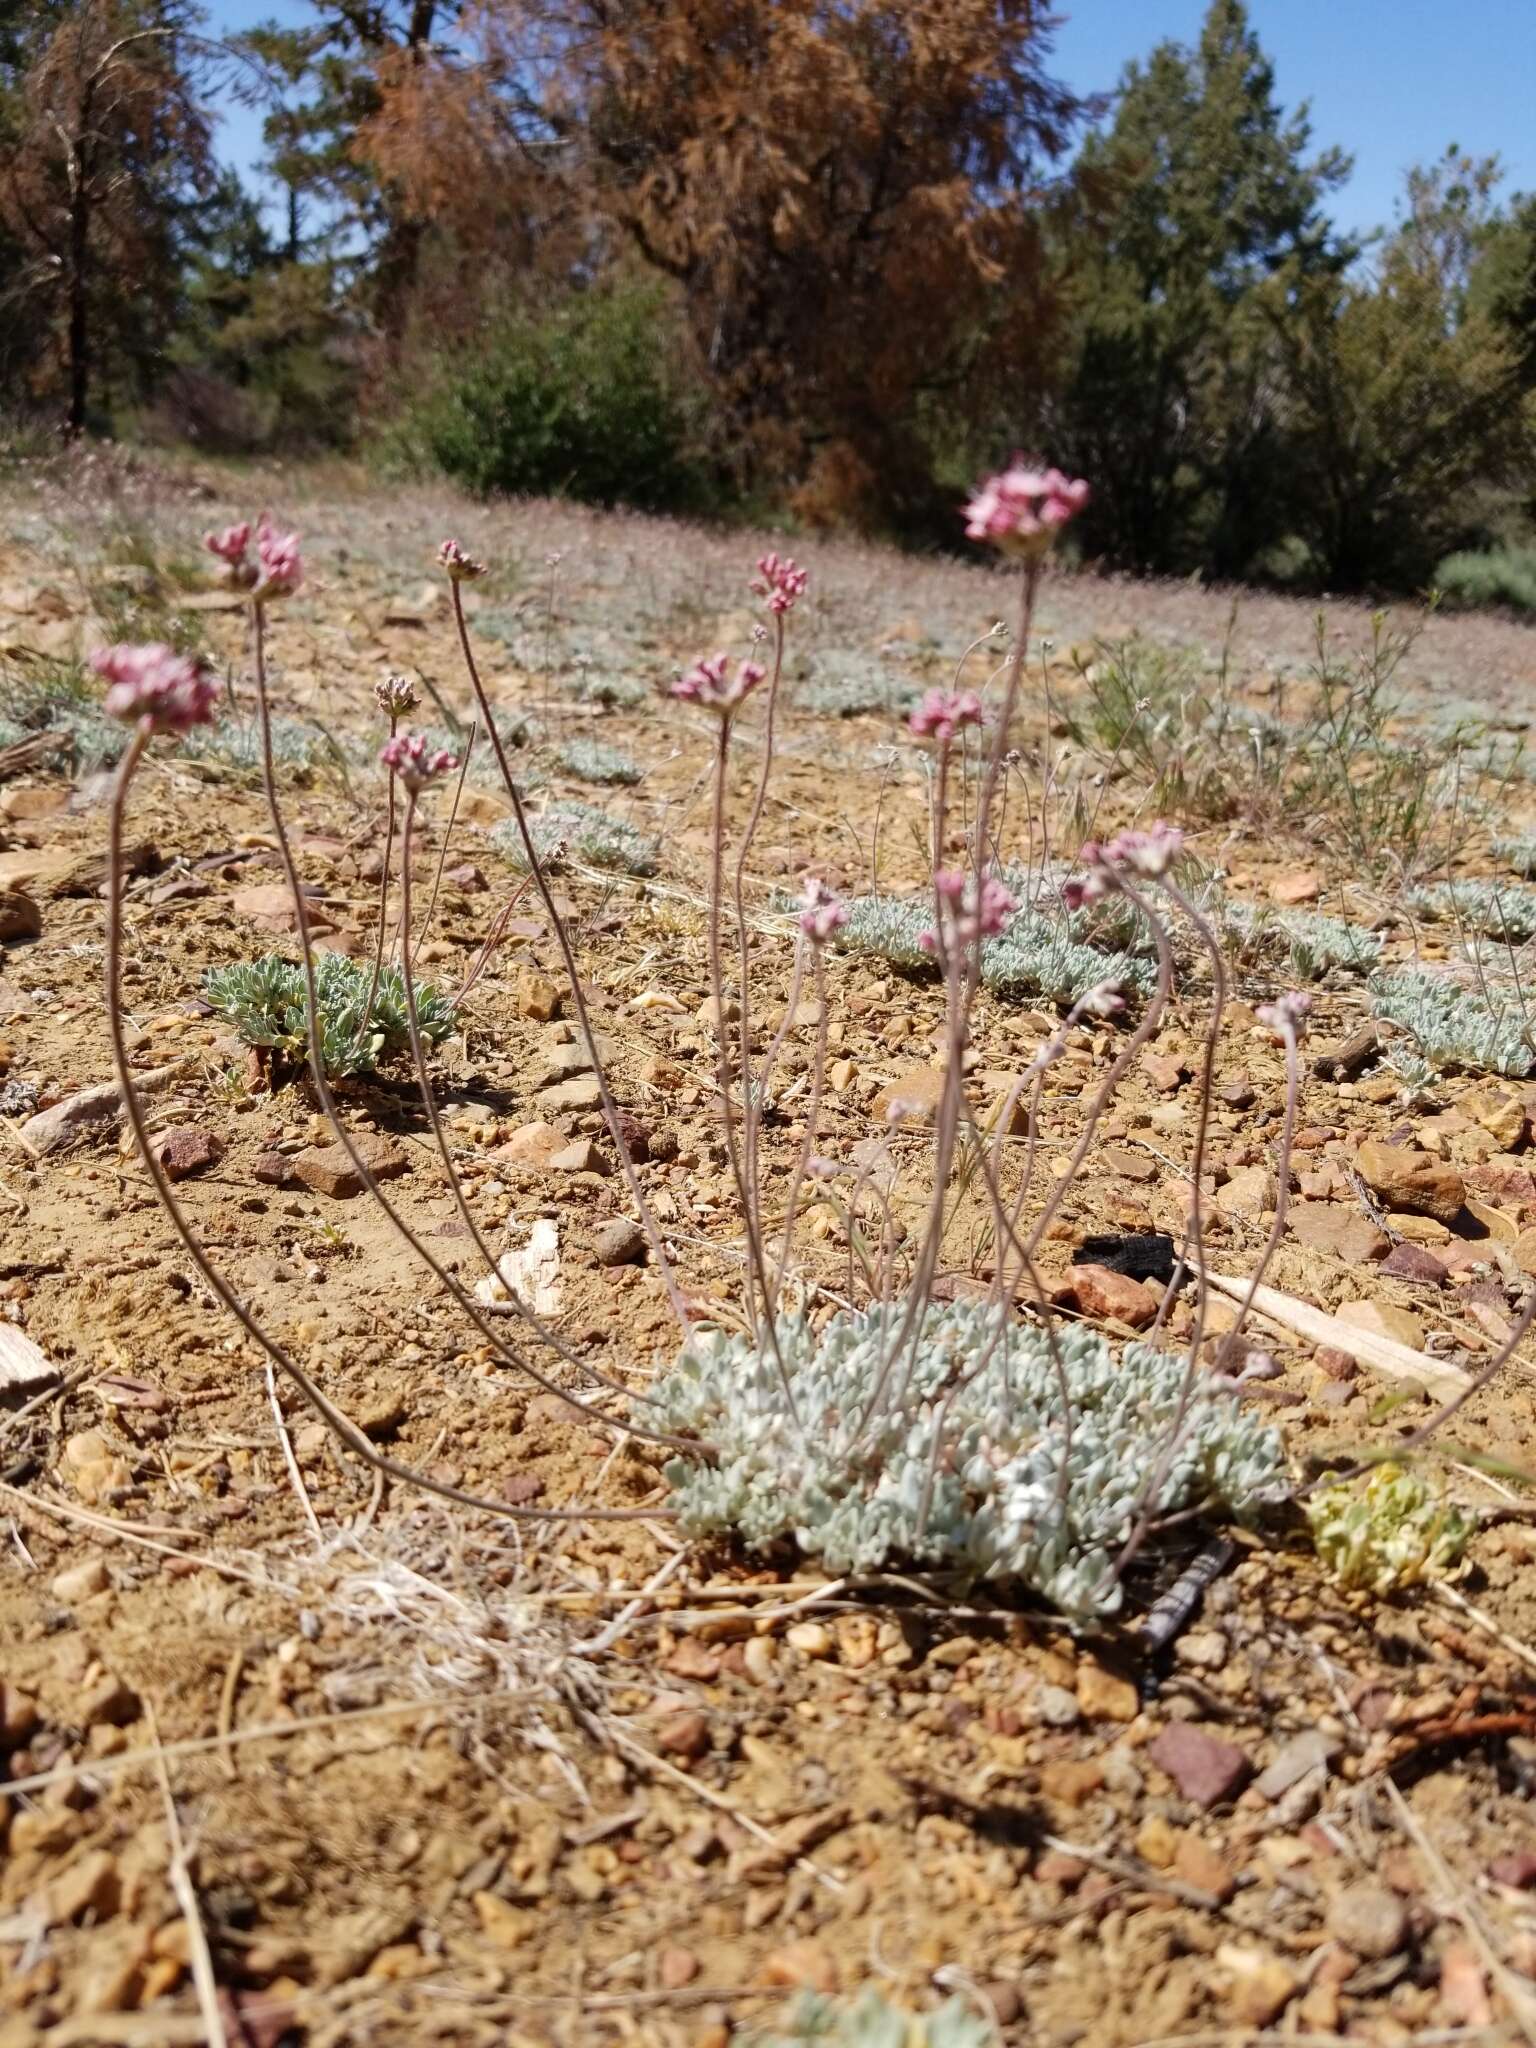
(199, 1957)
(294, 1474)
(1383, 1355)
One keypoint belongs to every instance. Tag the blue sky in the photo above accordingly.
(1393, 82)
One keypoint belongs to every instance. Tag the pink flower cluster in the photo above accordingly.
(231, 544)
(1021, 510)
(279, 567)
(1286, 1014)
(943, 713)
(408, 756)
(279, 563)
(821, 914)
(781, 581)
(1148, 854)
(708, 683)
(461, 568)
(967, 913)
(170, 692)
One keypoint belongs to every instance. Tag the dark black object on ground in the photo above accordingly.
(1143, 1254)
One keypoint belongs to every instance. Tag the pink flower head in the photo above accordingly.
(1021, 510)
(943, 713)
(280, 566)
(231, 544)
(408, 756)
(782, 582)
(1150, 853)
(395, 696)
(170, 692)
(968, 914)
(1105, 999)
(707, 683)
(463, 568)
(821, 914)
(1286, 1014)
(1079, 892)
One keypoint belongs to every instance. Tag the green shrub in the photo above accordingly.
(268, 1003)
(581, 402)
(1503, 575)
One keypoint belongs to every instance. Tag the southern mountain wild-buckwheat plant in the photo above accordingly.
(1482, 1033)
(872, 2021)
(1393, 1528)
(361, 1021)
(1009, 1456)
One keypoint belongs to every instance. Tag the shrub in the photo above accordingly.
(1016, 1495)
(588, 833)
(579, 401)
(1498, 913)
(1504, 575)
(267, 1002)
(1310, 943)
(1395, 1528)
(871, 2021)
(1038, 955)
(592, 761)
(1453, 1026)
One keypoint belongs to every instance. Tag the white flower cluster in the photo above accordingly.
(1020, 1491)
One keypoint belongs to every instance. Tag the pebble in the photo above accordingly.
(1415, 1181)
(187, 1150)
(1104, 1697)
(1206, 1768)
(802, 1966)
(1309, 1751)
(327, 1169)
(1370, 1921)
(1202, 1650)
(810, 1639)
(619, 1243)
(537, 996)
(1517, 1868)
(684, 1735)
(676, 1967)
(1057, 1707)
(1262, 1985)
(1099, 1292)
(81, 1581)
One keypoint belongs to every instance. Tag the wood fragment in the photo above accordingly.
(1384, 1355)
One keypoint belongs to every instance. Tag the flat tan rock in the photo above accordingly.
(1405, 1179)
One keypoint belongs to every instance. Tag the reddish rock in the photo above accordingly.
(685, 1735)
(270, 904)
(274, 1169)
(803, 1966)
(1517, 1868)
(328, 1170)
(1336, 1364)
(1207, 1769)
(1408, 1261)
(1164, 1070)
(1325, 1227)
(1304, 885)
(20, 917)
(468, 878)
(187, 1150)
(1415, 1181)
(1098, 1292)
(692, 1659)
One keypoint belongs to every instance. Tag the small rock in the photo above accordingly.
(1369, 1920)
(1311, 1750)
(1057, 1707)
(811, 1639)
(20, 917)
(112, 1703)
(90, 1885)
(1408, 1261)
(676, 1967)
(380, 1412)
(1464, 1999)
(518, 1489)
(1248, 1193)
(1302, 885)
(467, 878)
(533, 1145)
(187, 1150)
(1504, 1116)
(1262, 1985)
(581, 1091)
(327, 1169)
(1097, 1291)
(1104, 1697)
(1156, 1841)
(913, 1097)
(1164, 1070)
(1238, 1093)
(506, 1925)
(537, 996)
(1202, 1650)
(685, 1735)
(1403, 1179)
(691, 1659)
(802, 1966)
(619, 1243)
(1329, 1227)
(93, 1468)
(1335, 1364)
(1070, 1780)
(18, 1710)
(580, 1157)
(80, 1581)
(1057, 1867)
(1200, 1865)
(273, 1169)
(1382, 1320)
(1207, 1769)
(1517, 1868)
